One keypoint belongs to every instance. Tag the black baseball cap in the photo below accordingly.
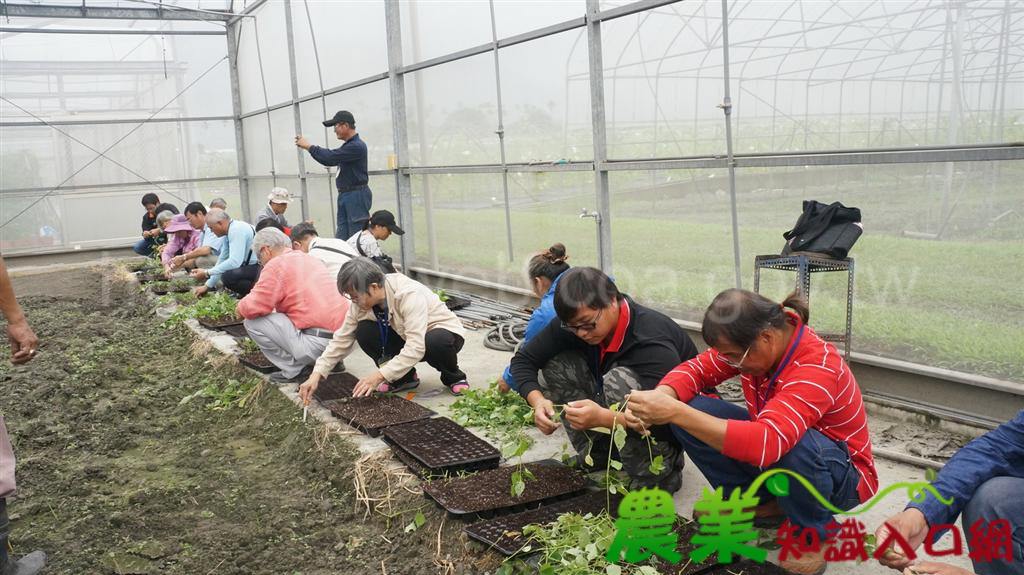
(386, 218)
(342, 116)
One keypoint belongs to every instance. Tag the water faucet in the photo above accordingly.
(585, 213)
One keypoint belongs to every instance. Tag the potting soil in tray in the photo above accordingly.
(372, 414)
(442, 445)
(504, 533)
(335, 386)
(235, 330)
(158, 290)
(219, 322)
(491, 489)
(256, 360)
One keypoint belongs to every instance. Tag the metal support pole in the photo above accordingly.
(501, 138)
(955, 108)
(234, 33)
(597, 119)
(396, 81)
(323, 110)
(726, 106)
(299, 152)
(421, 132)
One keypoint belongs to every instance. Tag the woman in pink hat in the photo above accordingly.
(182, 238)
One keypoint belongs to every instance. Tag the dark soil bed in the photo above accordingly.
(121, 477)
(256, 360)
(374, 413)
(491, 489)
(443, 446)
(219, 322)
(335, 386)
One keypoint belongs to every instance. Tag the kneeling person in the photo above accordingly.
(398, 322)
(294, 308)
(602, 346)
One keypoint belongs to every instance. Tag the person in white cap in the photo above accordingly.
(276, 207)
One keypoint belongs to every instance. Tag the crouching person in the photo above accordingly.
(398, 322)
(601, 347)
(293, 309)
(804, 413)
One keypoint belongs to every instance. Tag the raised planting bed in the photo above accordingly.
(504, 533)
(374, 413)
(443, 446)
(335, 386)
(490, 490)
(219, 322)
(256, 360)
(159, 287)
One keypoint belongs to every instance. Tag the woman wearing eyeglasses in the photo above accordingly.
(803, 413)
(602, 346)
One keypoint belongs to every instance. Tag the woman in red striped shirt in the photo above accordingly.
(803, 413)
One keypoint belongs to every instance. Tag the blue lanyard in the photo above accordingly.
(778, 371)
(384, 325)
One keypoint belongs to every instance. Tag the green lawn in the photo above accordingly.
(955, 304)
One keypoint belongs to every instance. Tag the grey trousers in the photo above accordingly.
(7, 485)
(284, 345)
(206, 262)
(567, 378)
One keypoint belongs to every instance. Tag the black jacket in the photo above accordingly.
(652, 346)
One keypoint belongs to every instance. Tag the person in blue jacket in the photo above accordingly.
(354, 195)
(544, 270)
(986, 481)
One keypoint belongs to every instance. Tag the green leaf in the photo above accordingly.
(647, 570)
(615, 464)
(778, 485)
(657, 465)
(419, 520)
(619, 437)
(931, 475)
(518, 485)
(588, 460)
(613, 569)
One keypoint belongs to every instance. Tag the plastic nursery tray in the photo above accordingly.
(441, 445)
(335, 386)
(217, 323)
(147, 277)
(158, 290)
(455, 302)
(490, 490)
(374, 413)
(257, 361)
(236, 330)
(504, 533)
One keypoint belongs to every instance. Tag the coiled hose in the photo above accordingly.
(506, 336)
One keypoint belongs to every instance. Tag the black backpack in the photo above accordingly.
(830, 230)
(384, 261)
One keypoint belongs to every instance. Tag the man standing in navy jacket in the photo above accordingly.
(354, 195)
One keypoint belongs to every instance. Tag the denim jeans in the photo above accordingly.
(143, 247)
(824, 463)
(998, 498)
(353, 211)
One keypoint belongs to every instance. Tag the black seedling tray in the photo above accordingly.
(402, 455)
(504, 533)
(489, 490)
(145, 278)
(443, 446)
(374, 413)
(159, 290)
(455, 302)
(252, 361)
(217, 323)
(236, 330)
(335, 386)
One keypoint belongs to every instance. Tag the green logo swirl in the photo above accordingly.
(778, 485)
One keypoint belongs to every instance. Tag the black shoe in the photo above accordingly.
(280, 378)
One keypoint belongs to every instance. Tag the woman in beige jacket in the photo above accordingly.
(398, 322)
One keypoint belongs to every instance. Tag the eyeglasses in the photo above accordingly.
(736, 365)
(585, 327)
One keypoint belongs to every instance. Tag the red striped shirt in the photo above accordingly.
(816, 390)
